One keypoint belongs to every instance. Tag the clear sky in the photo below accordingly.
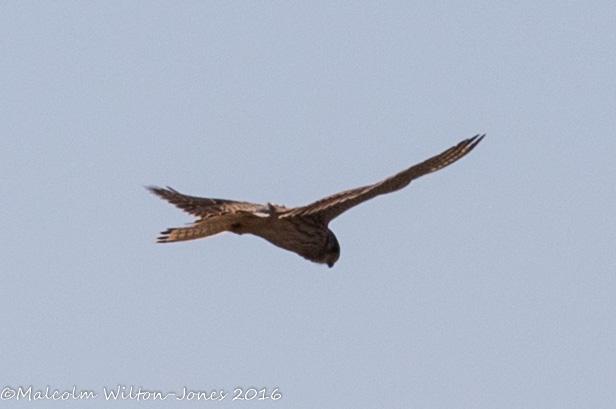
(489, 284)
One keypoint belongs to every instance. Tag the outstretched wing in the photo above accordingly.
(332, 206)
(215, 215)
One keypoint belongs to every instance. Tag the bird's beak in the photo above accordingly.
(330, 264)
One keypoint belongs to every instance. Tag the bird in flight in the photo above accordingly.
(302, 230)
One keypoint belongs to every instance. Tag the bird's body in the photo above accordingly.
(307, 237)
(302, 230)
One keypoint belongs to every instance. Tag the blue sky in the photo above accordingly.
(491, 283)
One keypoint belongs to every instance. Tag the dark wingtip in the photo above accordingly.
(161, 192)
(476, 138)
(154, 189)
(474, 141)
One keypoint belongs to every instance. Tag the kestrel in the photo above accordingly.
(302, 230)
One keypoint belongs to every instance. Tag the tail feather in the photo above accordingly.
(198, 230)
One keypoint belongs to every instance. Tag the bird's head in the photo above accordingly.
(332, 250)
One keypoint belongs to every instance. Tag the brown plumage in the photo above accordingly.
(302, 230)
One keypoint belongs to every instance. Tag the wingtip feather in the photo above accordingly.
(474, 141)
